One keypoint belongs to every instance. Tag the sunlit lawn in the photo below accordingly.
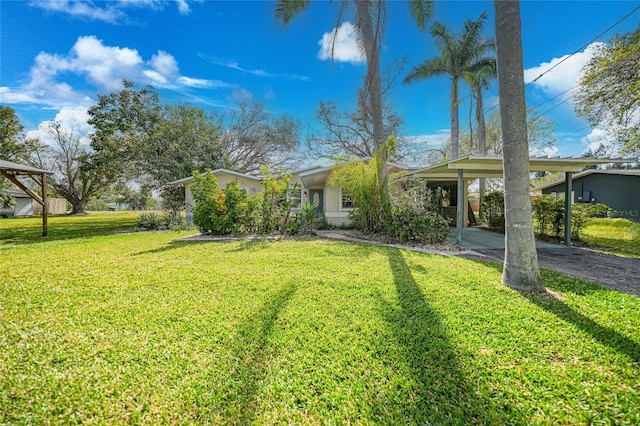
(114, 328)
(615, 236)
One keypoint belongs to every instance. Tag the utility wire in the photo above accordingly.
(586, 45)
(574, 53)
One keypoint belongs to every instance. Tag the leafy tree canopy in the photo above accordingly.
(609, 94)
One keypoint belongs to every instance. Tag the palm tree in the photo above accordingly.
(520, 258)
(370, 22)
(459, 55)
(479, 82)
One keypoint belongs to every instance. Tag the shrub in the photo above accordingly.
(493, 207)
(176, 220)
(414, 215)
(150, 220)
(360, 179)
(549, 214)
(206, 212)
(275, 207)
(220, 212)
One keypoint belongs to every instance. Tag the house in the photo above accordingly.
(618, 189)
(314, 187)
(23, 207)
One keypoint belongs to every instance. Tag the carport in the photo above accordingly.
(12, 170)
(470, 167)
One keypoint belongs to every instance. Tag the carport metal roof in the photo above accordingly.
(478, 166)
(472, 167)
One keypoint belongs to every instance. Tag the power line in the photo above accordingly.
(569, 56)
(586, 45)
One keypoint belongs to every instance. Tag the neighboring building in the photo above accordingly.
(23, 207)
(315, 188)
(27, 206)
(618, 189)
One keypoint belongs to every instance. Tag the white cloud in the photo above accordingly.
(547, 151)
(105, 66)
(183, 7)
(599, 137)
(113, 11)
(201, 83)
(81, 9)
(101, 65)
(341, 45)
(230, 63)
(164, 63)
(566, 74)
(72, 119)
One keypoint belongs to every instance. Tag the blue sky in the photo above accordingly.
(56, 56)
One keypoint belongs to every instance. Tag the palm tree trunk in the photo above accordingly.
(373, 84)
(482, 146)
(520, 260)
(455, 126)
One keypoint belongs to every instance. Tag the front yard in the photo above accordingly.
(107, 327)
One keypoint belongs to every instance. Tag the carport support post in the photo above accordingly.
(567, 208)
(45, 205)
(459, 207)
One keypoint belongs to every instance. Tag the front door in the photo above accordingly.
(316, 199)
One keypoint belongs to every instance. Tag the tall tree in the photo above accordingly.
(124, 123)
(609, 94)
(11, 146)
(370, 22)
(252, 137)
(185, 139)
(520, 270)
(460, 54)
(75, 176)
(479, 82)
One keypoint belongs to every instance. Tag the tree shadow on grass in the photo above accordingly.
(61, 228)
(441, 394)
(253, 353)
(176, 244)
(551, 303)
(600, 333)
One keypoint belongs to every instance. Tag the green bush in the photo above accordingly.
(549, 214)
(150, 220)
(493, 207)
(360, 179)
(176, 220)
(220, 212)
(209, 203)
(414, 215)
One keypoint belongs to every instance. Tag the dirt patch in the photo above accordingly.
(618, 273)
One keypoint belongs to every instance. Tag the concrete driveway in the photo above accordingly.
(482, 239)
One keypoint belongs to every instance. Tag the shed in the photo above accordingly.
(23, 207)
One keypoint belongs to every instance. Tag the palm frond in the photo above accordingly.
(430, 68)
(286, 10)
(421, 11)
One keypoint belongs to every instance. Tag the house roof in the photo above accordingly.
(479, 166)
(21, 169)
(626, 172)
(218, 172)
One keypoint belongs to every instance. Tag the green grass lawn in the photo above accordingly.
(104, 327)
(615, 236)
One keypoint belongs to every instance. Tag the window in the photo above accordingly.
(294, 195)
(347, 200)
